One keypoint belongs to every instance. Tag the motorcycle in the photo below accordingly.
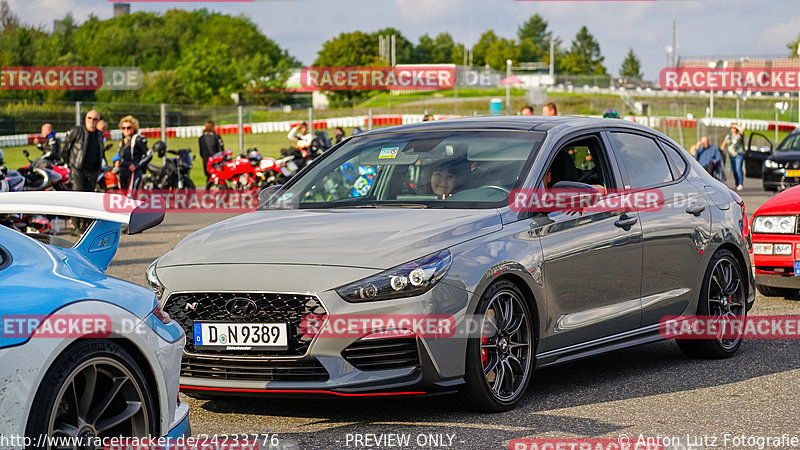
(14, 181)
(53, 162)
(174, 174)
(245, 172)
(304, 155)
(39, 178)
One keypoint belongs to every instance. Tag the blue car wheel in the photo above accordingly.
(94, 389)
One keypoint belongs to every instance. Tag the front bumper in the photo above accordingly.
(776, 270)
(328, 365)
(775, 179)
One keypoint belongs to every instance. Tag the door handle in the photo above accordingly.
(626, 222)
(696, 209)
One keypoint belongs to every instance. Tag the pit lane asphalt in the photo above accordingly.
(649, 391)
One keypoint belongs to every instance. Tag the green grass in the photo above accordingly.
(268, 144)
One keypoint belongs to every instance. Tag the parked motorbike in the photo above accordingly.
(14, 181)
(39, 178)
(52, 162)
(245, 172)
(304, 155)
(174, 174)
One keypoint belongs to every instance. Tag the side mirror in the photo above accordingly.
(265, 195)
(26, 153)
(577, 193)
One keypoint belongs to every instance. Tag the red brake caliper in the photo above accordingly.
(484, 353)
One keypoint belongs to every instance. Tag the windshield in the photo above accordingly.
(791, 143)
(443, 169)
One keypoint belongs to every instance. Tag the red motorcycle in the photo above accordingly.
(252, 171)
(46, 172)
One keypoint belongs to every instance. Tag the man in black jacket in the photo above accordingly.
(49, 144)
(210, 144)
(83, 152)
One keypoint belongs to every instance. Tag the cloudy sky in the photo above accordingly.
(732, 28)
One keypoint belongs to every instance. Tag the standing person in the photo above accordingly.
(549, 110)
(526, 110)
(134, 155)
(210, 144)
(338, 134)
(83, 152)
(49, 143)
(734, 145)
(102, 126)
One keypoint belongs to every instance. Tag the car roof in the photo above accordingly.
(515, 123)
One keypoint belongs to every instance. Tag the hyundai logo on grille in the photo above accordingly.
(240, 308)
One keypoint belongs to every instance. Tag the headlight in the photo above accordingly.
(770, 164)
(407, 280)
(153, 281)
(775, 224)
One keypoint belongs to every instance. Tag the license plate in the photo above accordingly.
(241, 336)
(797, 268)
(792, 173)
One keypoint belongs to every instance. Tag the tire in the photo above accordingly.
(770, 291)
(55, 413)
(722, 294)
(494, 351)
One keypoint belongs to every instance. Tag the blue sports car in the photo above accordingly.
(83, 356)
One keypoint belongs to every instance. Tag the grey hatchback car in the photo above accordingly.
(331, 286)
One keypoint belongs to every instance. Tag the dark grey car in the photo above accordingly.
(415, 222)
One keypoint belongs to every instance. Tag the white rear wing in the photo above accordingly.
(137, 215)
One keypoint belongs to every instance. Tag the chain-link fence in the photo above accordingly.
(27, 117)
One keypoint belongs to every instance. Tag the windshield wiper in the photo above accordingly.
(387, 205)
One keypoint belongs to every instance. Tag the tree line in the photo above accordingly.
(203, 57)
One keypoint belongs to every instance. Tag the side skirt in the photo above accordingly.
(631, 338)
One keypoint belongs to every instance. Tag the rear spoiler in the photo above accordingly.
(137, 215)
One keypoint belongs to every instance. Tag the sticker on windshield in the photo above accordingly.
(388, 153)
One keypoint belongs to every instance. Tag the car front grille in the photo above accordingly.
(382, 354)
(188, 308)
(251, 369)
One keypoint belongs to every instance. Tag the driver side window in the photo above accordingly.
(582, 161)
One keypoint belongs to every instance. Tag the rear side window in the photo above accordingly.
(644, 161)
(675, 155)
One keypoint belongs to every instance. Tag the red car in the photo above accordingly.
(776, 244)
